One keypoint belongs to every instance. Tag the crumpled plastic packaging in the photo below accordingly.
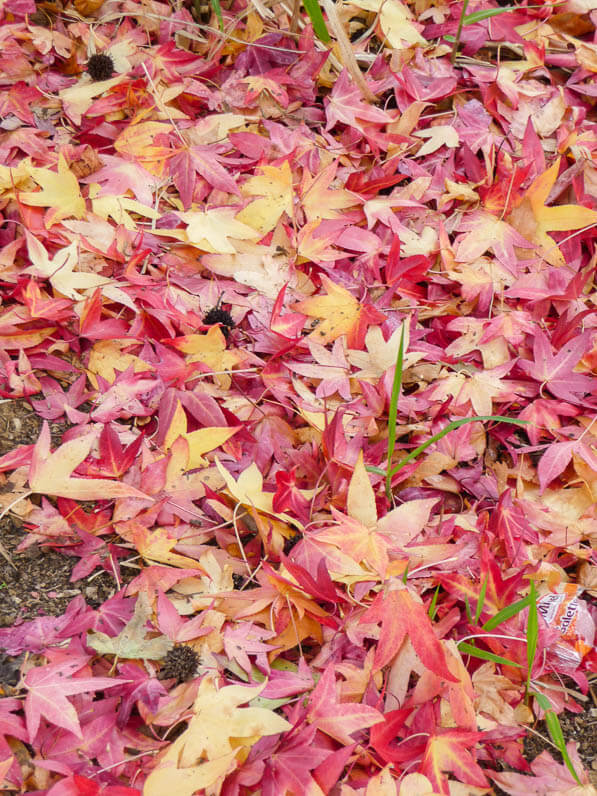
(562, 609)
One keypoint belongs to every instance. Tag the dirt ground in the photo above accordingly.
(37, 581)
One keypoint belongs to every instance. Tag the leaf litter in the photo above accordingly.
(216, 250)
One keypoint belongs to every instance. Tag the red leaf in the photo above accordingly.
(448, 750)
(401, 616)
(556, 372)
(338, 719)
(48, 688)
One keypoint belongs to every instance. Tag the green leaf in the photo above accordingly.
(467, 608)
(486, 13)
(215, 4)
(459, 32)
(555, 732)
(481, 600)
(316, 17)
(532, 634)
(506, 613)
(475, 652)
(451, 427)
(393, 411)
(405, 573)
(433, 604)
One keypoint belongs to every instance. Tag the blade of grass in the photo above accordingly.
(481, 600)
(393, 412)
(467, 608)
(469, 649)
(433, 603)
(450, 427)
(405, 573)
(314, 11)
(555, 732)
(532, 636)
(486, 13)
(506, 613)
(459, 32)
(215, 4)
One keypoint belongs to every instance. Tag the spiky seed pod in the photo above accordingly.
(180, 663)
(218, 315)
(100, 67)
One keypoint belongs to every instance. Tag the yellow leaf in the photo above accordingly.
(533, 219)
(319, 201)
(381, 355)
(107, 356)
(210, 349)
(78, 98)
(119, 208)
(274, 185)
(339, 310)
(211, 229)
(382, 784)
(200, 441)
(265, 268)
(440, 135)
(60, 270)
(157, 546)
(59, 191)
(137, 141)
(14, 177)
(396, 22)
(360, 502)
(50, 473)
(219, 732)
(416, 785)
(168, 778)
(248, 490)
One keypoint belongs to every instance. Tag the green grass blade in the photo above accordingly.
(393, 412)
(215, 4)
(506, 613)
(316, 17)
(451, 427)
(467, 608)
(555, 732)
(459, 32)
(481, 600)
(377, 470)
(532, 635)
(433, 604)
(405, 573)
(486, 13)
(469, 649)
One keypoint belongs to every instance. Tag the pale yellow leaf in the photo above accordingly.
(50, 473)
(210, 230)
(440, 135)
(274, 186)
(60, 193)
(360, 502)
(200, 441)
(396, 21)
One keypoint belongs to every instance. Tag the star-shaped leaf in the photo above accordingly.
(340, 313)
(534, 219)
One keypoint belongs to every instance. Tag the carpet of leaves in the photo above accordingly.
(211, 243)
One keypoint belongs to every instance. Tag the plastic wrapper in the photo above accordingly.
(564, 610)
